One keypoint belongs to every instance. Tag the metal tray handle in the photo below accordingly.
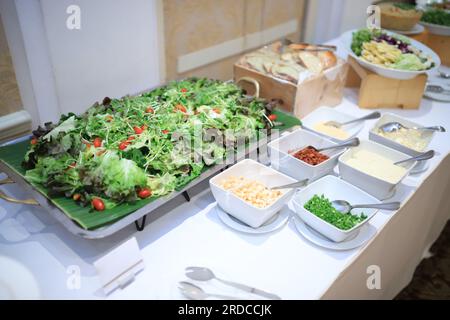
(252, 81)
(13, 200)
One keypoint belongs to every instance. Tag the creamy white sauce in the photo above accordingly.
(376, 165)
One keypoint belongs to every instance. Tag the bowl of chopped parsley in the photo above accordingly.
(437, 21)
(313, 205)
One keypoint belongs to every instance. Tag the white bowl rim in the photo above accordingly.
(245, 202)
(313, 134)
(358, 127)
(426, 24)
(436, 59)
(373, 131)
(408, 170)
(336, 228)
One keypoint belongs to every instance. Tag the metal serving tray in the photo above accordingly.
(107, 230)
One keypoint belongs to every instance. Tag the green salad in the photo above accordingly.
(437, 16)
(322, 207)
(389, 50)
(123, 150)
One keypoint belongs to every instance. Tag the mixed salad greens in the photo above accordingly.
(132, 148)
(437, 16)
(392, 51)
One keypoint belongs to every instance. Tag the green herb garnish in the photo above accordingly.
(321, 207)
(405, 6)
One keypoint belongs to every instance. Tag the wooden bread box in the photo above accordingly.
(325, 89)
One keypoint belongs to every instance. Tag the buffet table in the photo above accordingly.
(41, 258)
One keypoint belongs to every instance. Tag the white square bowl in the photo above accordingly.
(377, 187)
(242, 210)
(324, 114)
(390, 117)
(333, 188)
(283, 161)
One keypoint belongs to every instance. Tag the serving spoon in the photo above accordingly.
(443, 74)
(373, 115)
(423, 156)
(194, 292)
(395, 126)
(349, 143)
(205, 274)
(297, 184)
(345, 207)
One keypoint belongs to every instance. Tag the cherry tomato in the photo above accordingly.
(144, 127)
(273, 117)
(97, 142)
(165, 131)
(184, 90)
(98, 204)
(217, 110)
(76, 196)
(131, 138)
(109, 118)
(88, 145)
(34, 141)
(144, 193)
(149, 110)
(123, 145)
(137, 130)
(181, 108)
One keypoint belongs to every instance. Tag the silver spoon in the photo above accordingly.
(423, 156)
(205, 274)
(444, 75)
(394, 126)
(373, 115)
(349, 143)
(297, 184)
(194, 292)
(437, 89)
(345, 207)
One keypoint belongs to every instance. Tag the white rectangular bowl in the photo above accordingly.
(330, 114)
(333, 188)
(379, 188)
(242, 210)
(390, 117)
(281, 160)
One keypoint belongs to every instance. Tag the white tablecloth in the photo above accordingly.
(191, 234)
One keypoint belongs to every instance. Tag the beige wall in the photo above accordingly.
(198, 24)
(9, 91)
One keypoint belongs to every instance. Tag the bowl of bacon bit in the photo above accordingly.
(296, 155)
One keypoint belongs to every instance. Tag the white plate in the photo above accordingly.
(274, 223)
(415, 30)
(346, 40)
(330, 114)
(436, 29)
(438, 96)
(366, 233)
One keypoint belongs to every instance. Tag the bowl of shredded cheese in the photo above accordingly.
(243, 191)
